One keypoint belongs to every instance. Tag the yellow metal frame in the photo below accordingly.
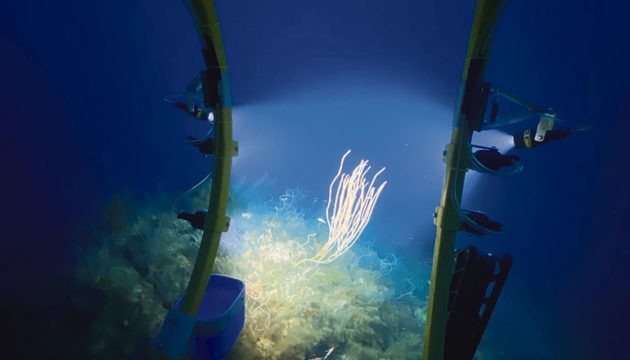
(447, 217)
(216, 221)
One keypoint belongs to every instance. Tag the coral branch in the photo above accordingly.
(352, 205)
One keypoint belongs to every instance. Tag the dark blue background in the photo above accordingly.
(82, 116)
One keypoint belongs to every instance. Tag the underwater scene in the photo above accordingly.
(400, 180)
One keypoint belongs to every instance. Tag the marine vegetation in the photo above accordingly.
(351, 307)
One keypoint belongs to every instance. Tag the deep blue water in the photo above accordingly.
(81, 91)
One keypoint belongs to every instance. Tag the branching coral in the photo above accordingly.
(352, 207)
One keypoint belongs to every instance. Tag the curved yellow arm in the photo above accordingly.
(447, 217)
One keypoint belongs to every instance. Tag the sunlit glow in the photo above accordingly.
(279, 135)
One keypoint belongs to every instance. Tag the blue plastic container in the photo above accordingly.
(221, 317)
(210, 335)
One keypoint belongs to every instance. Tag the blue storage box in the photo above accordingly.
(221, 317)
(210, 335)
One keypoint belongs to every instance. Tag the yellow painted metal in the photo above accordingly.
(447, 217)
(216, 221)
(207, 23)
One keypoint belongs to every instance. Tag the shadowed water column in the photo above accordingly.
(352, 208)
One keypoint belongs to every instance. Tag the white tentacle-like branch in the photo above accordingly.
(352, 199)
